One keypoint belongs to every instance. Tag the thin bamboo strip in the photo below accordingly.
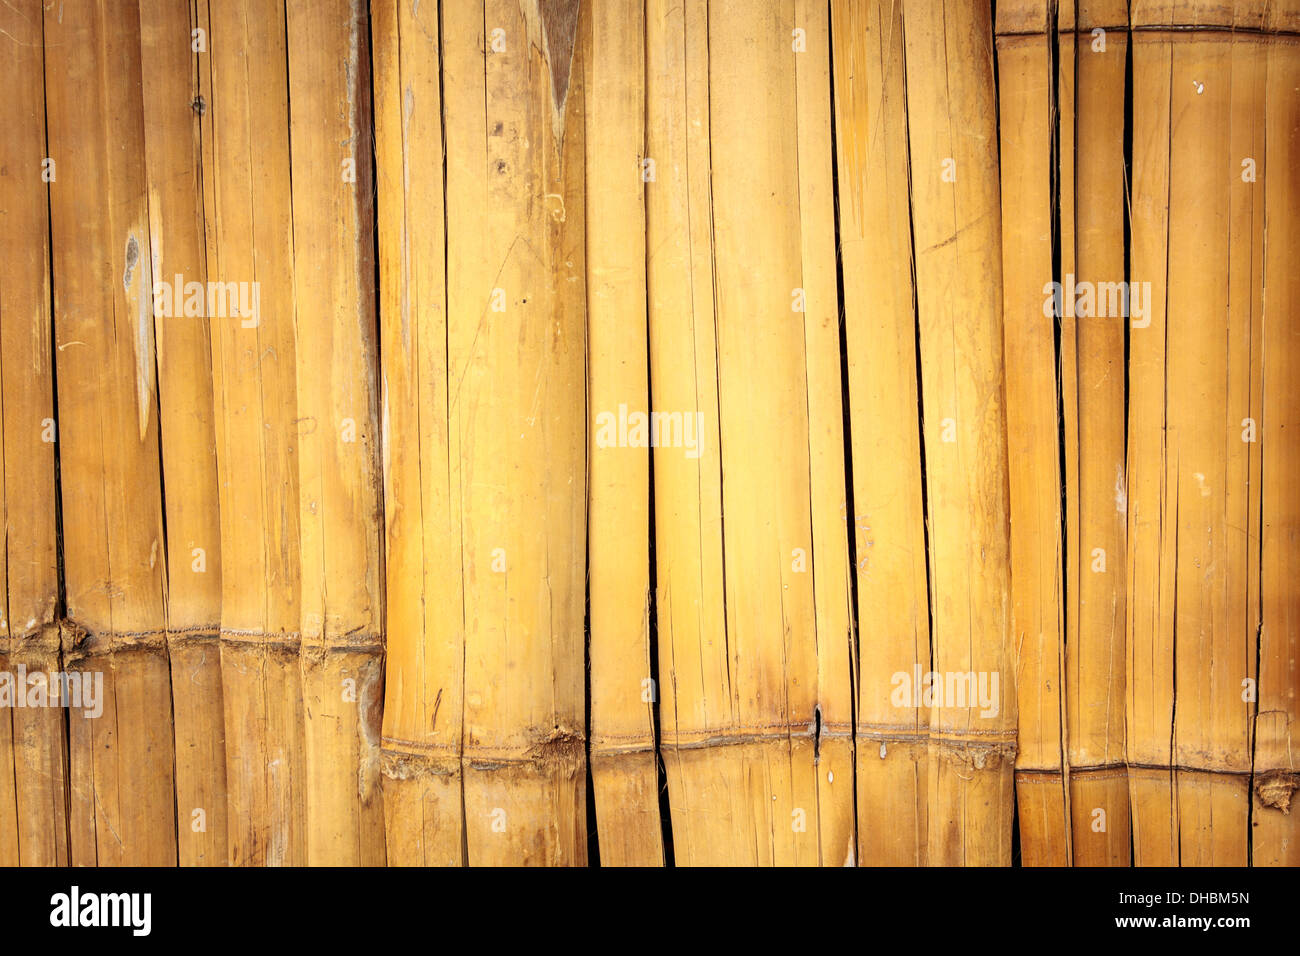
(952, 116)
(1149, 617)
(623, 756)
(693, 650)
(122, 795)
(1093, 192)
(889, 518)
(248, 213)
(338, 424)
(1037, 589)
(423, 704)
(33, 749)
(1199, 652)
(834, 756)
(173, 160)
(512, 79)
(1275, 821)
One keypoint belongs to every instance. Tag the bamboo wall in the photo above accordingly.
(642, 432)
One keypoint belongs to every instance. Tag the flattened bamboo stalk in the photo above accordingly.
(338, 424)
(834, 756)
(122, 795)
(33, 750)
(744, 777)
(512, 78)
(1025, 71)
(875, 236)
(173, 161)
(423, 703)
(693, 652)
(248, 214)
(1191, 373)
(1092, 47)
(1275, 821)
(952, 117)
(623, 694)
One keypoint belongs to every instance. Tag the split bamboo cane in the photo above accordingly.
(747, 536)
(888, 517)
(1275, 832)
(512, 81)
(122, 798)
(173, 162)
(952, 117)
(424, 686)
(1092, 44)
(623, 693)
(337, 429)
(1025, 71)
(248, 217)
(33, 749)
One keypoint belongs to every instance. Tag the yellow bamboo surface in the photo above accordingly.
(33, 748)
(649, 432)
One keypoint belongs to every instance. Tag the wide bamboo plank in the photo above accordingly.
(122, 802)
(747, 668)
(1192, 531)
(512, 81)
(952, 118)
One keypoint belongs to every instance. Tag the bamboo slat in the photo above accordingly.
(512, 81)
(1192, 464)
(1025, 67)
(694, 669)
(1093, 196)
(337, 429)
(249, 223)
(955, 201)
(623, 693)
(33, 749)
(888, 517)
(1275, 833)
(122, 799)
(424, 687)
(173, 166)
